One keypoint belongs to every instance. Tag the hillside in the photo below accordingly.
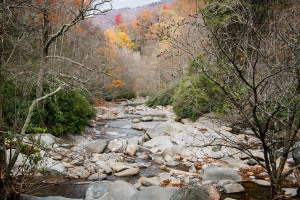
(129, 14)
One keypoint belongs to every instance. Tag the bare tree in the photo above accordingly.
(77, 12)
(251, 52)
(83, 10)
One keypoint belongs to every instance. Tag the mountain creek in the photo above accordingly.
(134, 152)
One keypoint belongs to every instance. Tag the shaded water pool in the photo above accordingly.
(68, 190)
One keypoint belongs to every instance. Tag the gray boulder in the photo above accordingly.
(97, 177)
(262, 182)
(28, 197)
(161, 130)
(118, 190)
(104, 166)
(154, 192)
(159, 144)
(96, 146)
(153, 181)
(128, 172)
(219, 172)
(233, 188)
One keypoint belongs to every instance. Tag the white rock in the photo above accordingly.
(153, 181)
(104, 166)
(147, 119)
(131, 150)
(262, 182)
(290, 191)
(115, 145)
(128, 172)
(119, 166)
(135, 120)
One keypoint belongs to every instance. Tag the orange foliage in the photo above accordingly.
(115, 83)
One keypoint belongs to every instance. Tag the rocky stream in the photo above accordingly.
(133, 152)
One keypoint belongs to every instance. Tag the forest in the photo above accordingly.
(179, 99)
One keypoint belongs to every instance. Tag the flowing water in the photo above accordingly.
(76, 188)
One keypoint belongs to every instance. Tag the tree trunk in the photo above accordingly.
(2, 138)
(276, 189)
(44, 51)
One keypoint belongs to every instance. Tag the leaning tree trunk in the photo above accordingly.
(2, 138)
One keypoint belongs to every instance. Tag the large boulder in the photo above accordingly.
(162, 130)
(118, 190)
(159, 144)
(46, 139)
(154, 192)
(28, 197)
(220, 172)
(191, 193)
(188, 140)
(96, 146)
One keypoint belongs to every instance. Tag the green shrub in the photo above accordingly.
(67, 112)
(118, 93)
(162, 97)
(125, 93)
(16, 102)
(197, 95)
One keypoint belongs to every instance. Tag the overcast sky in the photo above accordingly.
(130, 3)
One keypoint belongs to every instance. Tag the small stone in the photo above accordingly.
(208, 182)
(250, 173)
(57, 157)
(91, 123)
(147, 119)
(192, 169)
(97, 177)
(153, 181)
(290, 191)
(213, 193)
(137, 185)
(119, 166)
(264, 174)
(135, 120)
(131, 150)
(226, 129)
(137, 127)
(251, 162)
(141, 179)
(128, 172)
(225, 182)
(104, 166)
(175, 181)
(164, 176)
(244, 156)
(233, 188)
(115, 145)
(192, 159)
(249, 132)
(112, 133)
(262, 182)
